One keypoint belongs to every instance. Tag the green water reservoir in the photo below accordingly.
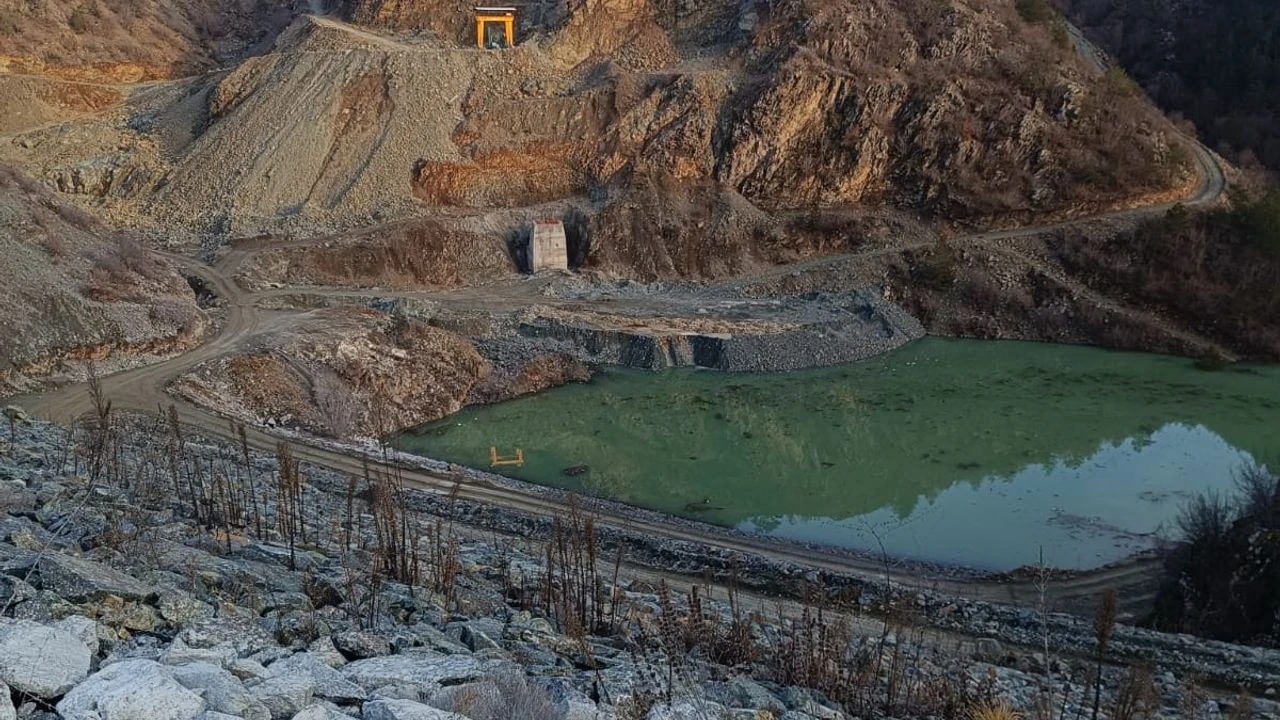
(962, 452)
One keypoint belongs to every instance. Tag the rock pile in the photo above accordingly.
(117, 605)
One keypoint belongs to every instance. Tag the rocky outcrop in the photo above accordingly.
(344, 372)
(413, 254)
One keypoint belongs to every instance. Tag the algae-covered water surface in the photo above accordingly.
(965, 452)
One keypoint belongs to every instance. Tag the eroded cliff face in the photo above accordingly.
(690, 136)
(69, 294)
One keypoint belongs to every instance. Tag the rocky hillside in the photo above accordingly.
(70, 293)
(747, 118)
(126, 41)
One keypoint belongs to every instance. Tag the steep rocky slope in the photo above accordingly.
(951, 112)
(68, 293)
(134, 40)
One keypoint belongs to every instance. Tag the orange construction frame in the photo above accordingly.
(509, 24)
(496, 461)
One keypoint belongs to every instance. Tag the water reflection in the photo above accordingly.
(1116, 502)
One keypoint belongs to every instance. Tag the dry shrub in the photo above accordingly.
(507, 695)
(339, 404)
(54, 246)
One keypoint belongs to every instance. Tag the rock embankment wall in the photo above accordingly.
(826, 330)
(117, 602)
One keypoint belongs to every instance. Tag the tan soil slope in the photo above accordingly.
(66, 293)
(135, 40)
(30, 102)
(403, 255)
(327, 127)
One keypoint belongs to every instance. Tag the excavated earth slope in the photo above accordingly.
(68, 294)
(691, 141)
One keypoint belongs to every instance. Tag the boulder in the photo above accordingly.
(324, 648)
(7, 711)
(15, 590)
(179, 653)
(329, 683)
(481, 634)
(131, 690)
(120, 613)
(741, 692)
(386, 709)
(182, 608)
(76, 579)
(686, 710)
(41, 661)
(358, 644)
(429, 637)
(222, 691)
(284, 696)
(81, 627)
(320, 711)
(245, 636)
(422, 670)
(247, 669)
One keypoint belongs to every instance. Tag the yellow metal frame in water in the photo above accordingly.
(516, 460)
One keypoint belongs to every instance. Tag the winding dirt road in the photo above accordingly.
(144, 389)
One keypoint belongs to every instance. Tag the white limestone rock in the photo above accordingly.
(285, 695)
(329, 683)
(321, 711)
(222, 691)
(131, 690)
(7, 711)
(427, 672)
(42, 661)
(388, 709)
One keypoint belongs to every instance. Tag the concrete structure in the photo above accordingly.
(548, 248)
(495, 27)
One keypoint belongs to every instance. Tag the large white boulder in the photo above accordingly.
(426, 672)
(284, 695)
(131, 690)
(321, 711)
(329, 683)
(387, 709)
(222, 691)
(42, 661)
